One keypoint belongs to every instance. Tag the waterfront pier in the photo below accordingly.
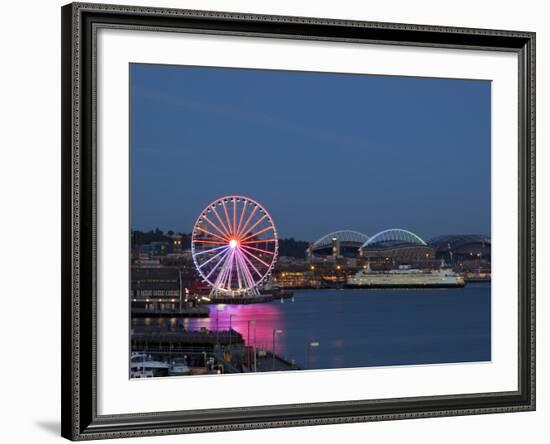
(185, 312)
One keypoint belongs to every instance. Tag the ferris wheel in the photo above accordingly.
(234, 245)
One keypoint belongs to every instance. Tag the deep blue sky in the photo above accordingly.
(321, 152)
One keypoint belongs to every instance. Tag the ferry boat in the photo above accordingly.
(405, 277)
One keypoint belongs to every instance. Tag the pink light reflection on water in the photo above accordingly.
(268, 318)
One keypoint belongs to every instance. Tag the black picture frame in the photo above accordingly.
(79, 171)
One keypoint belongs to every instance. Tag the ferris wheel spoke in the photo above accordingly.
(221, 276)
(238, 268)
(243, 229)
(258, 249)
(250, 282)
(234, 216)
(204, 241)
(249, 278)
(231, 261)
(257, 258)
(198, 253)
(218, 281)
(212, 258)
(255, 225)
(213, 225)
(238, 233)
(227, 218)
(227, 267)
(263, 230)
(212, 234)
(217, 265)
(252, 265)
(227, 232)
(258, 241)
(252, 279)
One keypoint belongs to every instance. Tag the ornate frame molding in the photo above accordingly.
(80, 22)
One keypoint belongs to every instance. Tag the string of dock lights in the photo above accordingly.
(234, 246)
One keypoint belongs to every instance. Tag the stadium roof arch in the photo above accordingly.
(393, 237)
(349, 237)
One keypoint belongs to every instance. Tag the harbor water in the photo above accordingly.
(323, 329)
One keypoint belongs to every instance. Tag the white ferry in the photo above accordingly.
(406, 277)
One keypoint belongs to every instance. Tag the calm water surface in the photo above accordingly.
(359, 328)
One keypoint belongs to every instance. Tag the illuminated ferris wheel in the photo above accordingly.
(234, 245)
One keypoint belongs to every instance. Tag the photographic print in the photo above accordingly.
(300, 221)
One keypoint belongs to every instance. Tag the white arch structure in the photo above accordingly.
(343, 236)
(394, 235)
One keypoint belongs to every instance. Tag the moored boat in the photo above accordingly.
(142, 366)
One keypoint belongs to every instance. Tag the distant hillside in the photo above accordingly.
(156, 235)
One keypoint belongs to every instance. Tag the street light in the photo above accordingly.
(276, 331)
(254, 350)
(248, 341)
(310, 345)
(230, 317)
(218, 309)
